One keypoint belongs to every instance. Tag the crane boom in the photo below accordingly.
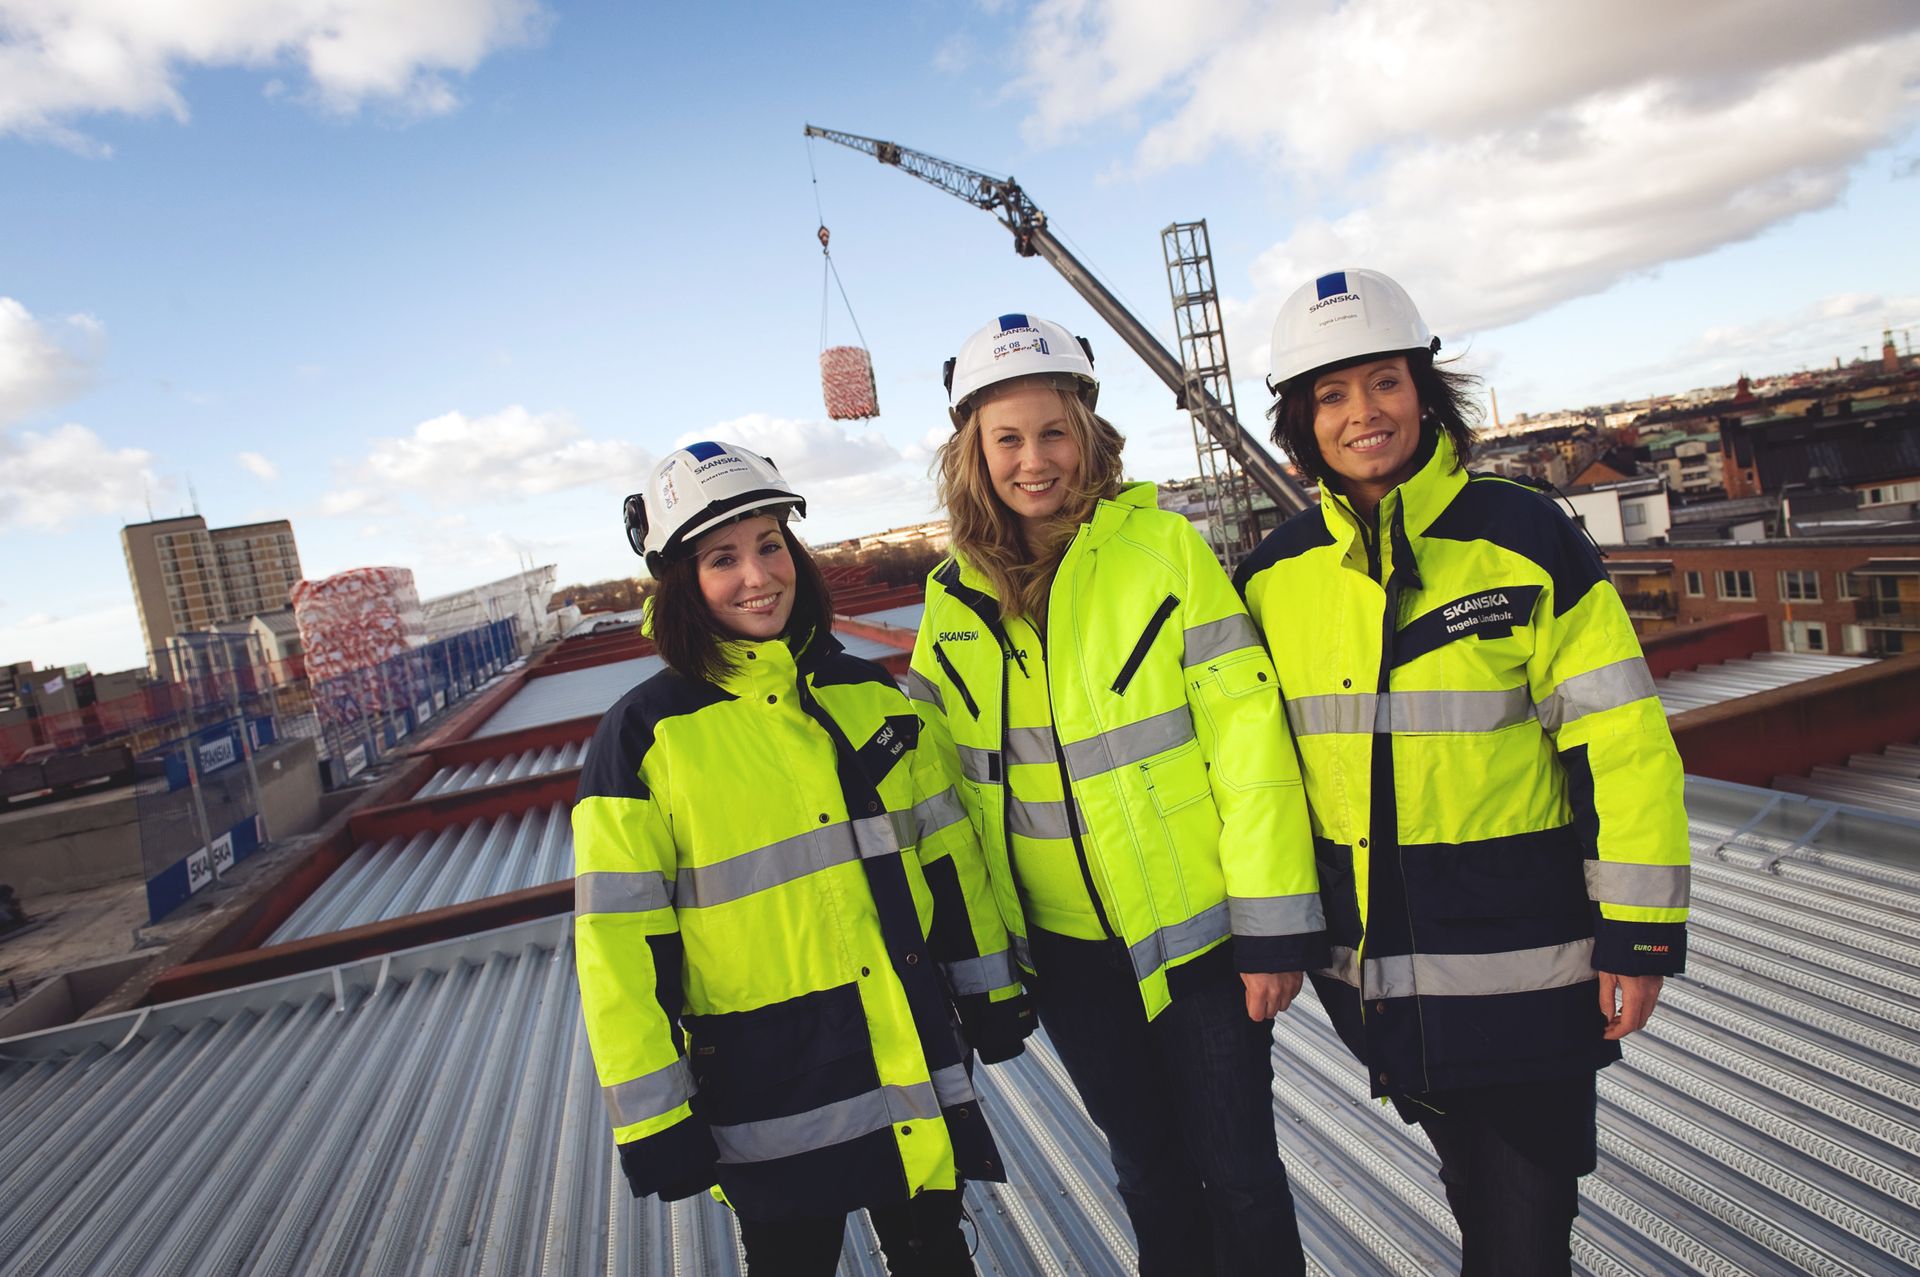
(1032, 238)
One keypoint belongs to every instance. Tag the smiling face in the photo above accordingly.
(1366, 420)
(1033, 460)
(746, 576)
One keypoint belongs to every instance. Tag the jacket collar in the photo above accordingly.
(1420, 500)
(1109, 515)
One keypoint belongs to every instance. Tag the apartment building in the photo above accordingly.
(188, 577)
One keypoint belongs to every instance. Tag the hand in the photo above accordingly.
(1628, 1011)
(1270, 992)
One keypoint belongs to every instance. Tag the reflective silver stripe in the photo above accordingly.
(979, 765)
(1042, 820)
(1276, 915)
(1345, 966)
(1466, 975)
(1171, 943)
(1458, 711)
(701, 886)
(1362, 712)
(830, 1124)
(941, 811)
(1609, 687)
(1217, 638)
(1030, 745)
(1022, 952)
(1348, 712)
(952, 1086)
(1644, 886)
(1131, 743)
(652, 1094)
(980, 975)
(607, 891)
(921, 688)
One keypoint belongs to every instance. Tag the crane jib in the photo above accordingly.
(1032, 239)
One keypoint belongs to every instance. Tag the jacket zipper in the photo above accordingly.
(959, 684)
(1139, 653)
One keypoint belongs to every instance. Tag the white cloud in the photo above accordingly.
(258, 466)
(509, 454)
(90, 57)
(1814, 336)
(106, 638)
(1501, 156)
(47, 480)
(41, 365)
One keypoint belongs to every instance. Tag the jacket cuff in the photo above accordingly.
(997, 1030)
(1265, 954)
(678, 1162)
(1640, 948)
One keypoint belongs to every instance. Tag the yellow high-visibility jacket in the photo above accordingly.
(779, 905)
(1185, 805)
(1497, 801)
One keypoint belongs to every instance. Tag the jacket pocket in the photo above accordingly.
(1145, 641)
(1531, 875)
(1177, 780)
(1245, 676)
(1334, 861)
(959, 684)
(775, 1061)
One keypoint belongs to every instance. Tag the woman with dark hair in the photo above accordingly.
(1111, 721)
(1496, 798)
(780, 906)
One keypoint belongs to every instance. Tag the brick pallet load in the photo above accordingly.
(356, 619)
(846, 374)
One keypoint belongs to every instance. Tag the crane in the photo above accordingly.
(1012, 207)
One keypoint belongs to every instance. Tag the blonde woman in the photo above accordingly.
(1116, 736)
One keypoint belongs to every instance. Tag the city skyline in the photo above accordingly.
(438, 296)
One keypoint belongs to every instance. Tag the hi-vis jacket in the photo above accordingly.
(1185, 805)
(779, 905)
(1497, 801)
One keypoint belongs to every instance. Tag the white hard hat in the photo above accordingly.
(1342, 315)
(1018, 345)
(698, 488)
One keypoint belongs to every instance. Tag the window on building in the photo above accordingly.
(1800, 586)
(1846, 587)
(1805, 636)
(1633, 515)
(1696, 588)
(1735, 584)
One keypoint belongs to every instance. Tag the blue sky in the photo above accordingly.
(438, 281)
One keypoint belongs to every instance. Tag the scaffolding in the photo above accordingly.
(1233, 525)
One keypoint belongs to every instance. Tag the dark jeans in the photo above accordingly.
(1186, 1104)
(1511, 1158)
(920, 1238)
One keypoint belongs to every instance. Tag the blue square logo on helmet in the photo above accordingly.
(1012, 323)
(1330, 285)
(704, 451)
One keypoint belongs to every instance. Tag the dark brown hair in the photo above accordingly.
(690, 639)
(1446, 401)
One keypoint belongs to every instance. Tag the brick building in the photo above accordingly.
(1856, 597)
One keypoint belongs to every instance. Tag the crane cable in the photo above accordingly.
(831, 272)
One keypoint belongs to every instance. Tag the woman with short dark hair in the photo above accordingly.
(780, 906)
(1496, 798)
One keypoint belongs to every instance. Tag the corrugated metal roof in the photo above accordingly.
(437, 868)
(868, 649)
(905, 618)
(575, 694)
(1761, 672)
(437, 1111)
(497, 771)
(1888, 781)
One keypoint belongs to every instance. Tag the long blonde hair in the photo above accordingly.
(988, 535)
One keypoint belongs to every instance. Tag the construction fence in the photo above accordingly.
(198, 797)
